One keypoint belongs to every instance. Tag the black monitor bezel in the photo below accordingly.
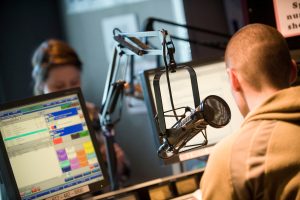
(11, 187)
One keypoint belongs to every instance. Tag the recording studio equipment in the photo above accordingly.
(48, 149)
(127, 44)
(221, 45)
(185, 129)
(180, 186)
(211, 79)
(213, 111)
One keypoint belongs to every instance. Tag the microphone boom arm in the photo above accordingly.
(127, 44)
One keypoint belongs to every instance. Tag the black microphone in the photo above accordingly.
(192, 118)
(183, 131)
(213, 111)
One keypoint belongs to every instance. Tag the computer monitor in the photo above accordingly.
(48, 149)
(212, 80)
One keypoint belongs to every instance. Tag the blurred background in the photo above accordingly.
(87, 26)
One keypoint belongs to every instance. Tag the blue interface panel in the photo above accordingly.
(50, 149)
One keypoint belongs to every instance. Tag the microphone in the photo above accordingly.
(213, 111)
(192, 118)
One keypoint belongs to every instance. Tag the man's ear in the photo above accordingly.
(293, 73)
(233, 79)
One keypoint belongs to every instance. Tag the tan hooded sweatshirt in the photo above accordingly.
(262, 159)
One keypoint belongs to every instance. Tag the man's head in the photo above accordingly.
(258, 62)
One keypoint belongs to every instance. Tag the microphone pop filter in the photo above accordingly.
(216, 111)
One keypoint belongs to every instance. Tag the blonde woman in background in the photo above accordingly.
(56, 66)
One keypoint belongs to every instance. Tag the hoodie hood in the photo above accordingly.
(283, 105)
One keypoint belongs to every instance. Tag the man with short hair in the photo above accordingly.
(262, 159)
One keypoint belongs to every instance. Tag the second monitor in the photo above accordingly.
(48, 147)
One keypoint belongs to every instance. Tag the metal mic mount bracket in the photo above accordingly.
(164, 134)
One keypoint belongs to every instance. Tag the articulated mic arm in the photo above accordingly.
(126, 44)
(129, 44)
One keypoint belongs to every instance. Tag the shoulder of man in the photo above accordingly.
(216, 180)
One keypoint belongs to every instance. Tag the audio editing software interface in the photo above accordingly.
(50, 148)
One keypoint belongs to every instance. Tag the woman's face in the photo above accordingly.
(61, 78)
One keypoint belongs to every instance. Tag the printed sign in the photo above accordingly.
(287, 13)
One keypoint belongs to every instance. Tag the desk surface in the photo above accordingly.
(149, 184)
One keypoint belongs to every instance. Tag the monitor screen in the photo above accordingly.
(212, 80)
(50, 150)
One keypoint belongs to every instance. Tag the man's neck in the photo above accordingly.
(255, 99)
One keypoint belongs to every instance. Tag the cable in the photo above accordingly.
(168, 78)
(116, 29)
